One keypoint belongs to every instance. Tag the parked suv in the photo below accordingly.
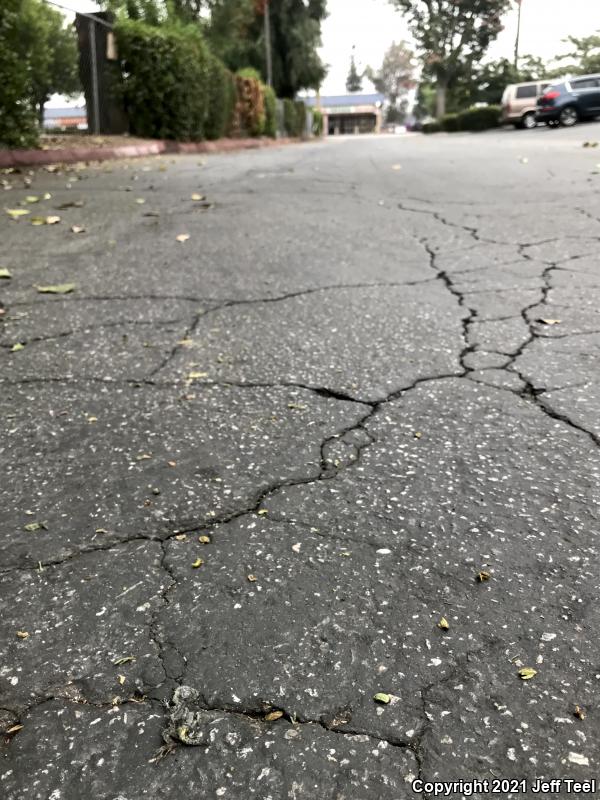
(519, 103)
(570, 101)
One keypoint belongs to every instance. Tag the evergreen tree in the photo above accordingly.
(354, 80)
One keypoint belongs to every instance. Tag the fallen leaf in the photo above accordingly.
(298, 406)
(483, 576)
(397, 167)
(273, 715)
(198, 563)
(579, 712)
(181, 537)
(524, 160)
(77, 229)
(16, 347)
(38, 220)
(15, 213)
(35, 526)
(121, 679)
(296, 547)
(5, 273)
(193, 376)
(15, 728)
(172, 463)
(550, 321)
(418, 434)
(101, 530)
(382, 697)
(70, 204)
(577, 758)
(59, 288)
(204, 539)
(48, 196)
(52, 220)
(252, 578)
(23, 634)
(183, 237)
(262, 511)
(196, 196)
(123, 660)
(443, 624)
(527, 673)
(140, 201)
(143, 457)
(32, 199)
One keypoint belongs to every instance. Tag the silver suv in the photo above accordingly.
(519, 103)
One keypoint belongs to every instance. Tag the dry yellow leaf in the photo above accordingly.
(194, 376)
(121, 679)
(483, 576)
(579, 712)
(273, 715)
(252, 578)
(262, 511)
(183, 237)
(23, 634)
(204, 539)
(443, 624)
(181, 537)
(198, 563)
(527, 673)
(52, 220)
(197, 196)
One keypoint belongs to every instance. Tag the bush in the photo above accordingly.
(317, 126)
(270, 101)
(221, 100)
(432, 127)
(479, 118)
(449, 123)
(294, 117)
(165, 79)
(250, 117)
(18, 125)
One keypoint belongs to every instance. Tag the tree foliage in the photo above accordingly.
(585, 56)
(235, 31)
(38, 57)
(452, 34)
(395, 78)
(354, 79)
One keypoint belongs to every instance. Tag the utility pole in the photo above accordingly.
(518, 35)
(268, 44)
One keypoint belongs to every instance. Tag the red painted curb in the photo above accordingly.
(25, 158)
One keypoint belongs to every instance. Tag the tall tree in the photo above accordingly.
(585, 56)
(354, 79)
(452, 34)
(395, 77)
(236, 33)
(49, 46)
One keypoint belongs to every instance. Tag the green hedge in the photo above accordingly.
(478, 118)
(294, 117)
(165, 79)
(317, 126)
(270, 100)
(432, 127)
(221, 100)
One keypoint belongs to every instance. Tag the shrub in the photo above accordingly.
(294, 117)
(250, 115)
(449, 123)
(479, 118)
(270, 101)
(221, 99)
(432, 127)
(317, 126)
(18, 126)
(165, 79)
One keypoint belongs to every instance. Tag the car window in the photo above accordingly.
(584, 83)
(527, 91)
(544, 86)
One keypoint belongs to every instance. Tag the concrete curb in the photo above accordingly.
(24, 158)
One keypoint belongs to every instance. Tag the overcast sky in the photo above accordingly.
(372, 25)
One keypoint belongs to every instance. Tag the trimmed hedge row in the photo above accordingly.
(173, 87)
(477, 118)
(294, 117)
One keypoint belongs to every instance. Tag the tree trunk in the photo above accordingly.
(440, 98)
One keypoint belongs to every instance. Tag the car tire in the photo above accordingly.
(529, 121)
(568, 117)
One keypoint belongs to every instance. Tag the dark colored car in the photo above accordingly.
(570, 101)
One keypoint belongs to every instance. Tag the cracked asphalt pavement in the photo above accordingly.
(265, 463)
